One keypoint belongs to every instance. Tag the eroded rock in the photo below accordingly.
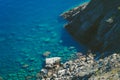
(51, 61)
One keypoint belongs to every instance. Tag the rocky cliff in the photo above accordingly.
(96, 24)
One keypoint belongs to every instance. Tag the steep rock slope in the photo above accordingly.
(96, 24)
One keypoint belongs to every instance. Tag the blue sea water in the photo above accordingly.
(29, 28)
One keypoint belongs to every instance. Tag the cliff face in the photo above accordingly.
(96, 25)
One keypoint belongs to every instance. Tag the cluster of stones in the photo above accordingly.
(109, 68)
(84, 67)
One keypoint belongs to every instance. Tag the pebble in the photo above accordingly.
(49, 73)
(61, 72)
(110, 20)
(55, 75)
(119, 8)
(25, 66)
(45, 71)
(83, 58)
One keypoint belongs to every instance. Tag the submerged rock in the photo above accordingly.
(47, 53)
(25, 66)
(28, 77)
(97, 25)
(46, 40)
(1, 78)
(32, 59)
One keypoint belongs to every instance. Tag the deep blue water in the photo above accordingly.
(28, 28)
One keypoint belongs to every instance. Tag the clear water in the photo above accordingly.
(28, 28)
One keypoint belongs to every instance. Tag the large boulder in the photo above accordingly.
(50, 62)
(97, 26)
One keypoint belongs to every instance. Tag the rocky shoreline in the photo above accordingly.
(96, 25)
(85, 67)
(69, 15)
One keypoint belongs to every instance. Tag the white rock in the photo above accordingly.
(55, 75)
(53, 60)
(49, 66)
(82, 74)
(61, 72)
(48, 79)
(44, 71)
(110, 20)
(57, 79)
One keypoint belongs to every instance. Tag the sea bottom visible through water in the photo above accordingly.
(24, 43)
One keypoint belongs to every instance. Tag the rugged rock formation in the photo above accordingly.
(97, 25)
(85, 67)
(51, 61)
(69, 15)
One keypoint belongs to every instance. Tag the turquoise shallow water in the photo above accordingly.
(30, 28)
